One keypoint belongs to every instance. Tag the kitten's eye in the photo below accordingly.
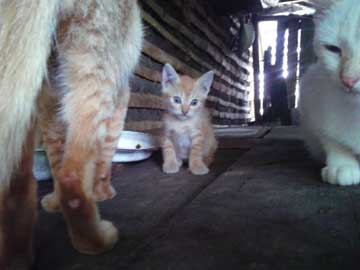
(333, 49)
(194, 102)
(177, 100)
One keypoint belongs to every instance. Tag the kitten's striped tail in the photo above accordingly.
(26, 29)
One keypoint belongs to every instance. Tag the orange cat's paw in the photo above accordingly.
(109, 236)
(104, 191)
(171, 167)
(50, 203)
(198, 168)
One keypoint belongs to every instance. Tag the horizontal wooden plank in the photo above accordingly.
(146, 101)
(149, 101)
(179, 44)
(219, 55)
(227, 115)
(229, 122)
(227, 104)
(200, 10)
(141, 85)
(212, 37)
(141, 114)
(143, 125)
(149, 74)
(161, 56)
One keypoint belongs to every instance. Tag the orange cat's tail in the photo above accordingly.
(26, 29)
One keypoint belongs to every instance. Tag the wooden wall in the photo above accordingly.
(188, 35)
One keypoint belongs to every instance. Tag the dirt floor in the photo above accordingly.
(263, 206)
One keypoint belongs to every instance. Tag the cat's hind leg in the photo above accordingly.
(87, 108)
(98, 50)
(53, 134)
(96, 84)
(342, 167)
(18, 212)
(103, 190)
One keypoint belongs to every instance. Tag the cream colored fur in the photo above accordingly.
(25, 39)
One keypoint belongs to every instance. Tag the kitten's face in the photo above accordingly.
(337, 42)
(185, 97)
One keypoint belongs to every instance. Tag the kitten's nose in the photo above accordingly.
(349, 82)
(185, 110)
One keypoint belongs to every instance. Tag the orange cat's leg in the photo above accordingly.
(196, 162)
(87, 108)
(89, 234)
(171, 163)
(53, 133)
(17, 212)
(103, 189)
(209, 159)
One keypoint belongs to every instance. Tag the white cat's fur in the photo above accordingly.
(330, 111)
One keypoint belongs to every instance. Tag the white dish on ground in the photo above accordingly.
(132, 146)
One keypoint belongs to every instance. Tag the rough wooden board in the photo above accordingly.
(285, 133)
(268, 211)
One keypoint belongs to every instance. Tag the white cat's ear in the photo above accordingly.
(169, 76)
(205, 82)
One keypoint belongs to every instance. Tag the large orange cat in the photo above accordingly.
(82, 94)
(188, 132)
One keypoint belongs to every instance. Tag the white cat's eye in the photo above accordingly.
(333, 49)
(194, 102)
(177, 100)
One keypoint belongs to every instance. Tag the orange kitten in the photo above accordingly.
(188, 132)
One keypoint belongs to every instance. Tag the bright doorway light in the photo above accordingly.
(286, 51)
(267, 38)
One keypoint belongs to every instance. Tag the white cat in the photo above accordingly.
(330, 93)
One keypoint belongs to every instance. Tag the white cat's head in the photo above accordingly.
(185, 96)
(337, 40)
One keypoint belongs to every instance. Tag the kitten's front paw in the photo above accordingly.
(198, 168)
(171, 167)
(341, 175)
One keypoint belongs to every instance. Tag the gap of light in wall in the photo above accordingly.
(267, 38)
(286, 51)
(300, 12)
(269, 3)
(298, 51)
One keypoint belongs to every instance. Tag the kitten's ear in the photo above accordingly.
(205, 82)
(169, 76)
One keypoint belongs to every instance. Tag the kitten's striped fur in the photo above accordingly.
(188, 132)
